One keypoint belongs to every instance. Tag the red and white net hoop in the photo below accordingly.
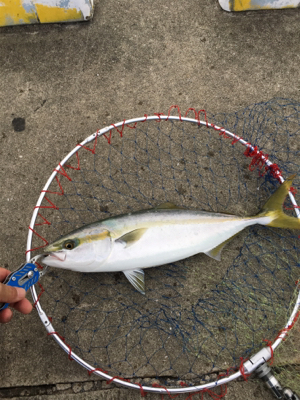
(64, 174)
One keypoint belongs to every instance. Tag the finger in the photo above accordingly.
(5, 316)
(3, 273)
(10, 294)
(24, 306)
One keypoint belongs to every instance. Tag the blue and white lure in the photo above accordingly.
(24, 277)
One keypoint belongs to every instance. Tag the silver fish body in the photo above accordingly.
(168, 235)
(149, 238)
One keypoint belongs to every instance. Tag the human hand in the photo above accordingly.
(14, 296)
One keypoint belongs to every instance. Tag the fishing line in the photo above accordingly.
(201, 323)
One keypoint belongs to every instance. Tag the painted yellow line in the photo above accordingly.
(12, 12)
(57, 14)
(246, 5)
(17, 12)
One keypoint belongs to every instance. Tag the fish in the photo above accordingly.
(153, 237)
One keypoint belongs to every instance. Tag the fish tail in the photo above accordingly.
(273, 208)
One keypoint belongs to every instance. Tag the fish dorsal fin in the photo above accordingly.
(215, 252)
(168, 205)
(136, 278)
(131, 237)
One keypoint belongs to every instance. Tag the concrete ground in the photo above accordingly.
(59, 83)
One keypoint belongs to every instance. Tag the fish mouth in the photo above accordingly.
(58, 255)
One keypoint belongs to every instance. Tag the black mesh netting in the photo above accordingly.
(199, 316)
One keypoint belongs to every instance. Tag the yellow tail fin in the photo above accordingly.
(273, 208)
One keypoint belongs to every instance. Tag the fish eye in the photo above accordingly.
(69, 245)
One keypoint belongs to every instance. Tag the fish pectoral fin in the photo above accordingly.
(131, 237)
(168, 205)
(216, 251)
(136, 278)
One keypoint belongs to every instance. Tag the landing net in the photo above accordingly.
(200, 319)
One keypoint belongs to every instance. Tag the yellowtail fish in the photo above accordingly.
(149, 238)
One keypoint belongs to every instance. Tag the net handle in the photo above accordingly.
(259, 358)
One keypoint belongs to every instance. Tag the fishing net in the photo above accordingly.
(200, 319)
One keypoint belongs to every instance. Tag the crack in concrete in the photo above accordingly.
(49, 389)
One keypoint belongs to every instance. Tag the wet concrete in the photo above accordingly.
(60, 83)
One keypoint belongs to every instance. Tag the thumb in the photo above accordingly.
(10, 294)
